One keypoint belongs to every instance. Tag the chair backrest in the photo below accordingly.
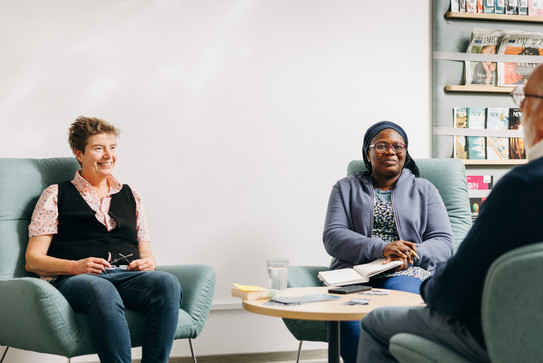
(511, 306)
(21, 183)
(449, 177)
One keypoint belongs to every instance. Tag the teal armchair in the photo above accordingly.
(448, 176)
(510, 312)
(38, 316)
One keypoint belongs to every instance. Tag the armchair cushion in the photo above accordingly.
(413, 348)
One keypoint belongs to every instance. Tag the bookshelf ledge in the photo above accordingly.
(495, 162)
(494, 17)
(477, 88)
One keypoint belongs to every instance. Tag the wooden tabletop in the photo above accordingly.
(334, 310)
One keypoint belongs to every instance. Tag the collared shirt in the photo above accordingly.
(45, 217)
(535, 151)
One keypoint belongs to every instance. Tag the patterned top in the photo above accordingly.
(384, 227)
(45, 217)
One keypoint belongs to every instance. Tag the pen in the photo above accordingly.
(415, 253)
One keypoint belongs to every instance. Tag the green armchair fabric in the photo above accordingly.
(38, 316)
(448, 176)
(510, 312)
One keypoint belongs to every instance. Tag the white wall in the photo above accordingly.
(237, 117)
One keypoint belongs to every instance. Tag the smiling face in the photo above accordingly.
(98, 159)
(389, 164)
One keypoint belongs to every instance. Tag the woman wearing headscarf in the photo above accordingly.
(386, 212)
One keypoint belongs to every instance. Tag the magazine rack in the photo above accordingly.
(452, 33)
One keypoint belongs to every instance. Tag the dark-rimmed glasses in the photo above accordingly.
(518, 95)
(383, 147)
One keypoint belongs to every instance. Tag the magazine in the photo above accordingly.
(476, 117)
(517, 149)
(475, 205)
(535, 7)
(357, 274)
(497, 118)
(518, 43)
(497, 148)
(523, 7)
(488, 6)
(483, 41)
(460, 151)
(460, 117)
(514, 119)
(480, 182)
(476, 147)
(511, 7)
(500, 7)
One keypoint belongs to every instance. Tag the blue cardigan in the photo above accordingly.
(510, 217)
(420, 215)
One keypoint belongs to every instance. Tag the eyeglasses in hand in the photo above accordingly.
(383, 147)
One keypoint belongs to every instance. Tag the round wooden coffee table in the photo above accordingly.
(332, 311)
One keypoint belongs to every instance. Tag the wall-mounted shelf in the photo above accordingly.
(494, 17)
(495, 162)
(478, 89)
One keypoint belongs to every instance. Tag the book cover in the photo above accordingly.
(475, 205)
(499, 7)
(488, 6)
(357, 274)
(483, 41)
(535, 7)
(471, 6)
(523, 7)
(476, 117)
(511, 7)
(514, 119)
(480, 182)
(497, 148)
(460, 151)
(516, 148)
(518, 43)
(460, 117)
(497, 118)
(475, 146)
(455, 6)
(480, 6)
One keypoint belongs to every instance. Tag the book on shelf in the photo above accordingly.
(499, 7)
(460, 117)
(535, 7)
(514, 119)
(488, 6)
(357, 274)
(471, 6)
(517, 150)
(476, 117)
(480, 182)
(460, 151)
(476, 147)
(475, 205)
(511, 7)
(518, 43)
(523, 7)
(483, 41)
(497, 148)
(497, 118)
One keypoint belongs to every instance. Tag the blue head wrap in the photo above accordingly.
(373, 131)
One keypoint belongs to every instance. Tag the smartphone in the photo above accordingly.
(348, 289)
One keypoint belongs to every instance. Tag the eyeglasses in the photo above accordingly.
(383, 147)
(518, 95)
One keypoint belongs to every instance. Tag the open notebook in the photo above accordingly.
(357, 274)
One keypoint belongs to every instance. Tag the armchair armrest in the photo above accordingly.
(412, 348)
(198, 286)
(304, 276)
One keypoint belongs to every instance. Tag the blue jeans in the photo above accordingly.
(349, 331)
(104, 298)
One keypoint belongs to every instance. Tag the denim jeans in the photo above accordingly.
(104, 298)
(350, 330)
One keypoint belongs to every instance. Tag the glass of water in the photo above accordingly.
(277, 273)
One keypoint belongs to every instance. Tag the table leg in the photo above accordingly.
(333, 342)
